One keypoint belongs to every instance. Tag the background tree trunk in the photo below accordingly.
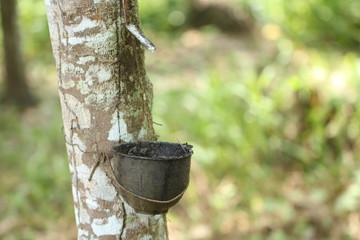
(16, 89)
(106, 98)
(220, 14)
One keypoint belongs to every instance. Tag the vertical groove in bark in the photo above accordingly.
(105, 99)
(16, 90)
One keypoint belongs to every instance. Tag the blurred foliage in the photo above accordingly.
(318, 23)
(163, 15)
(274, 124)
(276, 139)
(36, 180)
(34, 32)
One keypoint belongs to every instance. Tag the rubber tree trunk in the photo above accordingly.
(16, 88)
(106, 98)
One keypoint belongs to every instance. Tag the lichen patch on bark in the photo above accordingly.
(98, 73)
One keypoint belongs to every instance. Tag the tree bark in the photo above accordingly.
(16, 88)
(106, 98)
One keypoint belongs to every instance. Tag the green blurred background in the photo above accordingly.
(266, 91)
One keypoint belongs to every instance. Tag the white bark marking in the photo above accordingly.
(142, 133)
(104, 74)
(82, 234)
(143, 220)
(146, 237)
(101, 42)
(75, 40)
(159, 218)
(84, 60)
(82, 113)
(69, 69)
(102, 189)
(92, 204)
(95, 73)
(79, 146)
(83, 173)
(119, 127)
(104, 43)
(85, 23)
(73, 188)
(110, 226)
(76, 211)
(84, 215)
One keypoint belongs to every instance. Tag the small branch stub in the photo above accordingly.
(138, 34)
(141, 37)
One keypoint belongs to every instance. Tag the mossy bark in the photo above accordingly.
(106, 99)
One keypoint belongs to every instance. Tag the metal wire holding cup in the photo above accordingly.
(137, 33)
